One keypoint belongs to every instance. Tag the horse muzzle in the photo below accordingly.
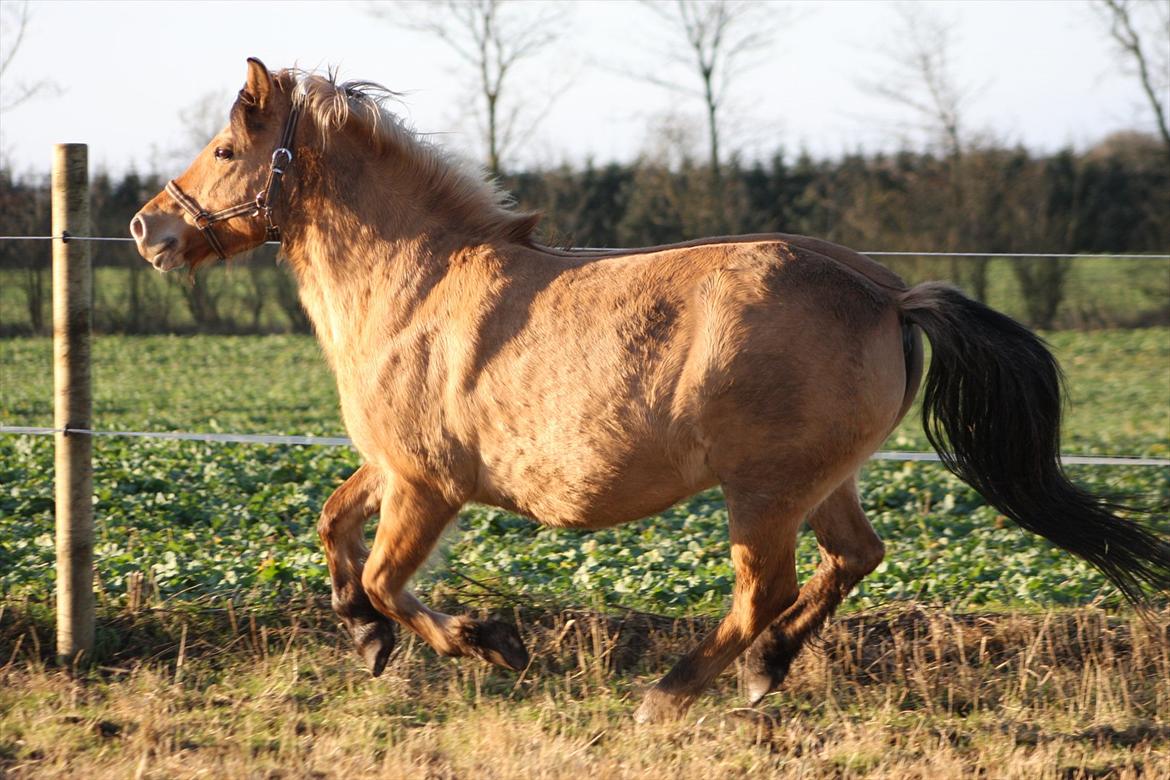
(160, 239)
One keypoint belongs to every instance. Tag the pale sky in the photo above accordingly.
(1045, 73)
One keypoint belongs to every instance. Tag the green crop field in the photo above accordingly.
(217, 656)
(210, 521)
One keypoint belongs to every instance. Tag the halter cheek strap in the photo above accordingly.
(260, 205)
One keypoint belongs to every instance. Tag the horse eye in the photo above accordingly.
(223, 153)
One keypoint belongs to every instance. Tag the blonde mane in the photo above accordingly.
(460, 186)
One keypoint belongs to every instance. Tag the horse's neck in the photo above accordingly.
(347, 296)
(357, 278)
(371, 250)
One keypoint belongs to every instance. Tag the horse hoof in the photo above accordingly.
(764, 673)
(375, 642)
(759, 685)
(497, 643)
(660, 707)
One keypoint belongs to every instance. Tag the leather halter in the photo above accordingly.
(260, 205)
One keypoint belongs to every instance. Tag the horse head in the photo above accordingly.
(222, 205)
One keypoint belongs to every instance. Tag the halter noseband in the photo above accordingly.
(261, 205)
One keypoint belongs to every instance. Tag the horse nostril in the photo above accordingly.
(138, 228)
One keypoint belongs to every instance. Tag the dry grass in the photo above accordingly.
(904, 693)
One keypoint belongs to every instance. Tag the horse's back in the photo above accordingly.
(767, 243)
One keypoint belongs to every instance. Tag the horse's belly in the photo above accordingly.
(572, 494)
(563, 509)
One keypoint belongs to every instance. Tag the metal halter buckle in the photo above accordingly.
(276, 166)
(258, 206)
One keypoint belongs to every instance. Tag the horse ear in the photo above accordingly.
(258, 85)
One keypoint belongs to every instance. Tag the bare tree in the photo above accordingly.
(1141, 53)
(491, 37)
(922, 77)
(34, 276)
(200, 121)
(14, 22)
(717, 40)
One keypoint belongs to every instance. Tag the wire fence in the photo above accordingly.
(872, 253)
(221, 438)
(340, 441)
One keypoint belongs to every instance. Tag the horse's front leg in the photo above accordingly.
(340, 528)
(412, 519)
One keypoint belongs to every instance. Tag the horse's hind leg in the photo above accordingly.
(412, 520)
(763, 545)
(849, 550)
(340, 529)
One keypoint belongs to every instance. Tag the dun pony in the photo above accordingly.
(585, 389)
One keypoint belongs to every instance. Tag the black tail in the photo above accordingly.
(992, 411)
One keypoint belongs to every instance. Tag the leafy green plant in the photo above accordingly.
(194, 521)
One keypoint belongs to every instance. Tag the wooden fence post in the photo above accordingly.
(72, 403)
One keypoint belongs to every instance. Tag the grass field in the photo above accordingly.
(191, 533)
(907, 693)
